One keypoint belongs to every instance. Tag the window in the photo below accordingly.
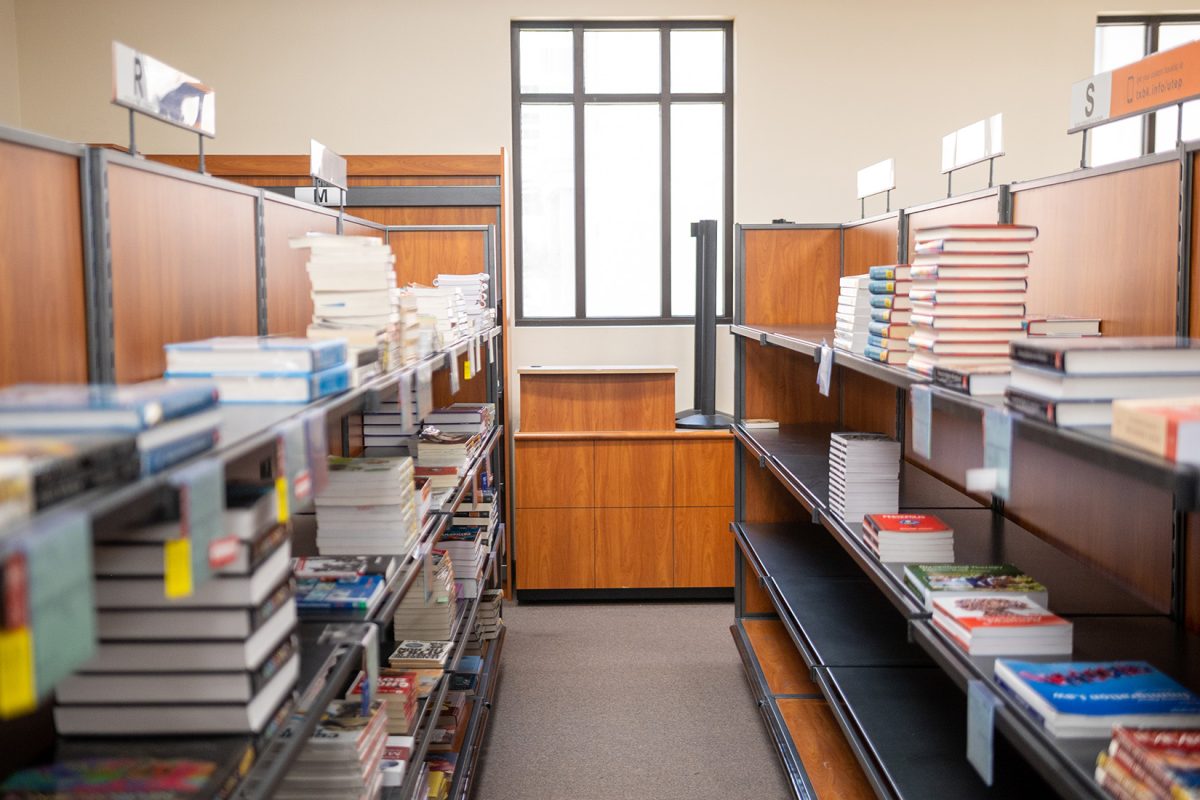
(622, 138)
(1125, 39)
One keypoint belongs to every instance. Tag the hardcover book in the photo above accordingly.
(958, 580)
(1128, 355)
(1165, 759)
(992, 625)
(977, 232)
(65, 408)
(254, 354)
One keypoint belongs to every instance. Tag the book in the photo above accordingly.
(1057, 325)
(396, 755)
(227, 555)
(890, 330)
(980, 381)
(356, 597)
(950, 322)
(970, 259)
(67, 408)
(127, 777)
(995, 625)
(989, 232)
(273, 387)
(992, 311)
(1063, 413)
(930, 581)
(200, 623)
(1121, 355)
(1169, 428)
(930, 342)
(952, 284)
(886, 355)
(886, 343)
(894, 301)
(1079, 699)
(253, 354)
(758, 424)
(1054, 385)
(908, 537)
(968, 271)
(894, 272)
(864, 475)
(965, 298)
(1119, 781)
(972, 246)
(1164, 759)
(891, 287)
(420, 654)
(37, 472)
(891, 315)
(331, 568)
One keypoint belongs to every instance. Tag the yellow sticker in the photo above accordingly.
(281, 499)
(177, 564)
(467, 370)
(17, 693)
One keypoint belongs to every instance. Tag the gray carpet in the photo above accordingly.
(624, 700)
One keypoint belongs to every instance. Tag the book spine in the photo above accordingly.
(883, 301)
(875, 353)
(1030, 406)
(1138, 764)
(1149, 432)
(329, 382)
(160, 458)
(1020, 701)
(1035, 355)
(328, 355)
(883, 273)
(186, 402)
(882, 287)
(956, 382)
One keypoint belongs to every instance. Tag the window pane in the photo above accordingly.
(1116, 46)
(697, 61)
(548, 210)
(697, 192)
(546, 62)
(1166, 124)
(621, 61)
(623, 205)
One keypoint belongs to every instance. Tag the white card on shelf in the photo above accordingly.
(454, 384)
(316, 436)
(922, 421)
(997, 448)
(825, 369)
(405, 401)
(491, 345)
(981, 719)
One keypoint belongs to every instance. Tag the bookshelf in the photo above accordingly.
(1109, 530)
(138, 253)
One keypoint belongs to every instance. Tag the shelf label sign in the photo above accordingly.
(146, 85)
(996, 473)
(922, 421)
(977, 142)
(326, 165)
(824, 369)
(491, 339)
(876, 179)
(981, 726)
(1162, 79)
(320, 196)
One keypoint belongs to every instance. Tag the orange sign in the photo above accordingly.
(1160, 80)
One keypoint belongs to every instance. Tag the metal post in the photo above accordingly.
(862, 208)
(991, 171)
(200, 167)
(1083, 151)
(888, 196)
(1179, 124)
(949, 184)
(132, 135)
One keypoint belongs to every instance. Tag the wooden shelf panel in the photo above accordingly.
(784, 670)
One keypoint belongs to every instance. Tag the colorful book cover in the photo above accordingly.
(1104, 688)
(890, 272)
(1170, 757)
(114, 776)
(355, 593)
(971, 578)
(284, 353)
(906, 523)
(980, 613)
(889, 287)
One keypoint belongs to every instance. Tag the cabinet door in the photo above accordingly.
(555, 548)
(703, 546)
(633, 474)
(633, 548)
(555, 474)
(704, 473)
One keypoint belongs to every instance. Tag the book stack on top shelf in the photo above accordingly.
(968, 295)
(426, 612)
(853, 313)
(1073, 382)
(889, 327)
(474, 288)
(222, 660)
(1150, 762)
(864, 475)
(369, 506)
(262, 369)
(168, 423)
(907, 538)
(353, 290)
(444, 310)
(342, 758)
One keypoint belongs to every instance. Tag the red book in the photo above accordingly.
(1164, 758)
(906, 523)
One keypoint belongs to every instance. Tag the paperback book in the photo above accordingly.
(930, 581)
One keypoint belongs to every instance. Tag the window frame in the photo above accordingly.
(1149, 46)
(578, 100)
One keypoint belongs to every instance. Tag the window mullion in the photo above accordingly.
(580, 211)
(665, 159)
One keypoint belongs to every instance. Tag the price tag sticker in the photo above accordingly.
(922, 416)
(177, 567)
(825, 369)
(997, 448)
(491, 347)
(475, 362)
(16, 489)
(454, 384)
(981, 726)
(201, 488)
(17, 692)
(467, 373)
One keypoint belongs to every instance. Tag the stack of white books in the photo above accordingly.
(853, 314)
(353, 290)
(343, 757)
(864, 475)
(443, 308)
(474, 290)
(369, 506)
(427, 612)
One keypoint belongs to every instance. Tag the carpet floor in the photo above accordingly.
(621, 700)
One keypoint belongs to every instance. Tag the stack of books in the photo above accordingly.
(451, 724)
(864, 475)
(446, 310)
(1150, 762)
(261, 369)
(1073, 382)
(474, 290)
(933, 581)
(369, 506)
(889, 327)
(353, 290)
(853, 314)
(489, 618)
(468, 547)
(1169, 428)
(385, 434)
(220, 661)
(170, 423)
(396, 755)
(907, 538)
(1001, 625)
(340, 598)
(450, 437)
(427, 613)
(1085, 699)
(968, 295)
(342, 759)
(411, 342)
(1061, 326)
(417, 654)
(398, 692)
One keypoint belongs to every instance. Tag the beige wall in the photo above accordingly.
(822, 88)
(10, 81)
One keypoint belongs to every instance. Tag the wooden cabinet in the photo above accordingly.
(633, 474)
(556, 547)
(556, 475)
(704, 473)
(633, 548)
(703, 546)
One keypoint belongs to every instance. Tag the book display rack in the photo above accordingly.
(118, 256)
(1109, 530)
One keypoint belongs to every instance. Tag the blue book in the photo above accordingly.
(274, 387)
(889, 273)
(1078, 699)
(890, 301)
(160, 457)
(81, 408)
(254, 354)
(883, 287)
(346, 594)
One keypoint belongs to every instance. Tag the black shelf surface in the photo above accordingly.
(807, 339)
(908, 729)
(484, 698)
